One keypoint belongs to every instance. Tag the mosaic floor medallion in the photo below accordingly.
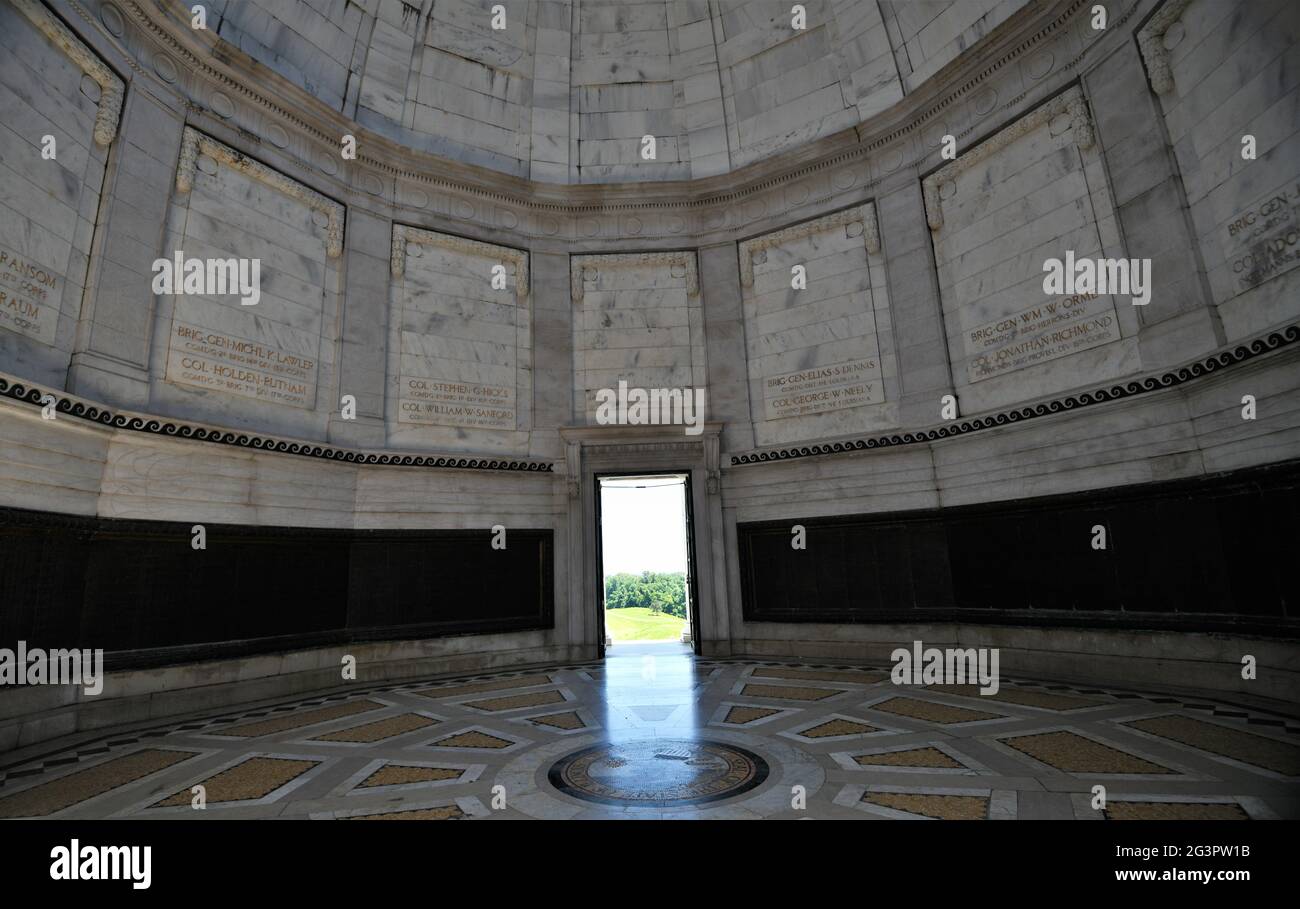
(658, 773)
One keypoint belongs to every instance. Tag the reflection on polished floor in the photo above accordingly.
(655, 732)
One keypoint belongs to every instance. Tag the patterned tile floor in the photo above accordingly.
(655, 732)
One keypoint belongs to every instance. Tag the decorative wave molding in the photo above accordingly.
(1261, 345)
(860, 214)
(1070, 101)
(111, 88)
(622, 260)
(403, 234)
(1151, 44)
(194, 143)
(161, 426)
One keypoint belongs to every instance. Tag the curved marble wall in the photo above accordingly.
(924, 273)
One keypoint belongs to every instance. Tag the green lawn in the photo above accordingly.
(637, 623)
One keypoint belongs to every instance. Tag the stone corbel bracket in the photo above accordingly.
(1151, 43)
(194, 143)
(573, 469)
(1070, 102)
(864, 215)
(403, 235)
(684, 259)
(712, 464)
(111, 88)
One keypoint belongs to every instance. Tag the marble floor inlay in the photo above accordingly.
(655, 732)
(658, 773)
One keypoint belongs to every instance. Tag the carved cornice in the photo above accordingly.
(65, 404)
(110, 87)
(620, 260)
(403, 234)
(1151, 42)
(1070, 101)
(859, 214)
(194, 143)
(1213, 363)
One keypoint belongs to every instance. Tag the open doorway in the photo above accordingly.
(646, 561)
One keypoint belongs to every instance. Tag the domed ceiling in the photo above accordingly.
(565, 91)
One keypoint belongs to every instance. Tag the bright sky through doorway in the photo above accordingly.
(643, 524)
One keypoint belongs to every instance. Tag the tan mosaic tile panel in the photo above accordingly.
(913, 757)
(1174, 811)
(517, 701)
(1280, 757)
(300, 719)
(74, 788)
(1074, 753)
(788, 692)
(523, 681)
(741, 715)
(931, 712)
(944, 807)
(569, 720)
(443, 813)
(255, 778)
(472, 739)
(379, 730)
(836, 727)
(403, 774)
(1025, 697)
(819, 675)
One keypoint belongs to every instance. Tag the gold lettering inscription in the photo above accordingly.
(824, 388)
(1053, 329)
(1264, 241)
(212, 359)
(442, 402)
(29, 297)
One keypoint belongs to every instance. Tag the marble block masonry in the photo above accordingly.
(438, 313)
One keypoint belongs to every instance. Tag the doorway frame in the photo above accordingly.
(621, 450)
(692, 558)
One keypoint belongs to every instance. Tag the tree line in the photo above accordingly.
(655, 591)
